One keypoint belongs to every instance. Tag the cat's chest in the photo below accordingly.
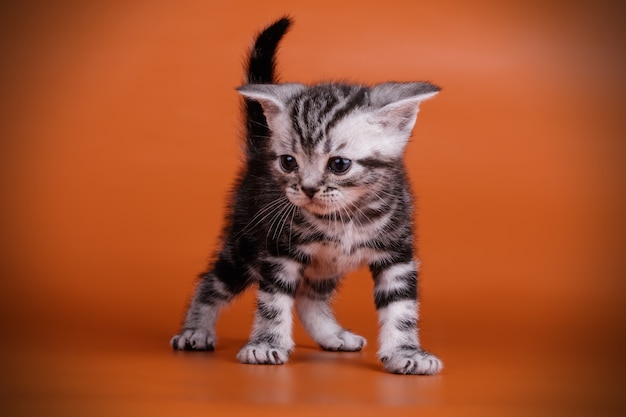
(337, 258)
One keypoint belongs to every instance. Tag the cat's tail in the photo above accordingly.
(261, 69)
(261, 65)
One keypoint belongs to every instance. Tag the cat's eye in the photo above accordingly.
(339, 166)
(288, 163)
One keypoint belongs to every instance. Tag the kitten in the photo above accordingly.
(324, 191)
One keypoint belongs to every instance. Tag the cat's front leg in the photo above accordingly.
(395, 295)
(271, 339)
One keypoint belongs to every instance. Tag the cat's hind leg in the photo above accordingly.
(313, 306)
(198, 330)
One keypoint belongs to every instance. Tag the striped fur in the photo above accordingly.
(324, 191)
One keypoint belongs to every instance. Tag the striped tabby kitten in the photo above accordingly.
(323, 192)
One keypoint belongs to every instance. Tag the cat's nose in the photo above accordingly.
(309, 191)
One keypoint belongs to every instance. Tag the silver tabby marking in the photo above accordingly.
(324, 191)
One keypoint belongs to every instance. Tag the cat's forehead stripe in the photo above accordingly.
(356, 99)
(320, 108)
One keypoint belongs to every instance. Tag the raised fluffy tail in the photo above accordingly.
(260, 69)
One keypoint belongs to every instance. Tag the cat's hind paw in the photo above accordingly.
(344, 341)
(191, 339)
(412, 361)
(263, 354)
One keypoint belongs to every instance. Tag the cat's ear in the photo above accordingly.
(397, 104)
(272, 97)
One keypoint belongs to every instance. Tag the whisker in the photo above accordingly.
(257, 123)
(276, 220)
(294, 210)
(286, 212)
(261, 215)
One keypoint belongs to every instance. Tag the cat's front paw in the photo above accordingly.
(263, 354)
(191, 339)
(344, 341)
(412, 361)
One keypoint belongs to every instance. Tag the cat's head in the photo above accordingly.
(333, 144)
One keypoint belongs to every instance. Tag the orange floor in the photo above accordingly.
(119, 128)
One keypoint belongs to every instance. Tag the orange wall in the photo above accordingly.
(120, 142)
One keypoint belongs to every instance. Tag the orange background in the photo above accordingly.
(120, 139)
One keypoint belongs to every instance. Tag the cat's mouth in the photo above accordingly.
(313, 205)
(319, 204)
(322, 208)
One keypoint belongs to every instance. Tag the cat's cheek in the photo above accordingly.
(295, 198)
